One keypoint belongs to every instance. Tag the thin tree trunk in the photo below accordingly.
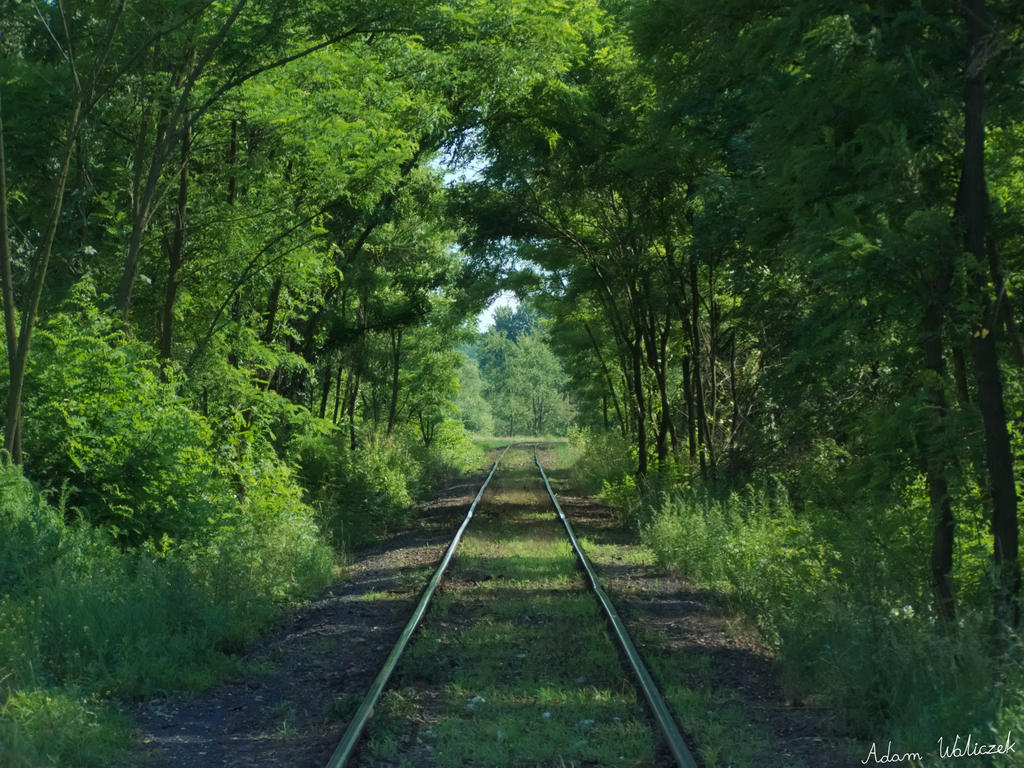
(37, 280)
(641, 408)
(704, 437)
(352, 411)
(665, 402)
(13, 444)
(232, 161)
(972, 211)
(6, 276)
(735, 427)
(943, 527)
(273, 305)
(712, 390)
(608, 380)
(337, 395)
(326, 391)
(691, 417)
(656, 362)
(396, 360)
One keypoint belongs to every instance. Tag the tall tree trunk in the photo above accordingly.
(735, 426)
(641, 407)
(232, 161)
(337, 395)
(608, 381)
(665, 401)
(935, 442)
(703, 433)
(972, 211)
(7, 282)
(691, 415)
(37, 279)
(270, 316)
(657, 364)
(325, 392)
(351, 413)
(396, 361)
(711, 423)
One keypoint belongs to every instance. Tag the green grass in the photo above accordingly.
(84, 622)
(514, 665)
(491, 442)
(851, 628)
(712, 716)
(46, 726)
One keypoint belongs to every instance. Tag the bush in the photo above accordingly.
(452, 454)
(84, 618)
(843, 605)
(101, 426)
(363, 494)
(359, 495)
(600, 459)
(32, 530)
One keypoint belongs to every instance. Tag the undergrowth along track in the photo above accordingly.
(655, 701)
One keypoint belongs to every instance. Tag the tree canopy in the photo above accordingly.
(750, 240)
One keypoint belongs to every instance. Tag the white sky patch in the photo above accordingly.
(486, 318)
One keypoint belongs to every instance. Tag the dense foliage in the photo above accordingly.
(523, 382)
(776, 249)
(781, 244)
(234, 307)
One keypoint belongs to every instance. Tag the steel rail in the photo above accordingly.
(659, 708)
(355, 728)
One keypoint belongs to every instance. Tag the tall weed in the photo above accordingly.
(601, 460)
(363, 494)
(83, 619)
(845, 603)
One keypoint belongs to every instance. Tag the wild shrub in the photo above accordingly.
(359, 495)
(451, 454)
(32, 530)
(844, 602)
(600, 458)
(101, 426)
(365, 493)
(83, 617)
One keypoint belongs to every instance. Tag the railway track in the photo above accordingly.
(656, 706)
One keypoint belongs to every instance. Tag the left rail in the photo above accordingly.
(355, 728)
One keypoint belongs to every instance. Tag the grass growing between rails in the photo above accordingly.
(491, 442)
(514, 665)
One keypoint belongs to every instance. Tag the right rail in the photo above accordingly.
(659, 709)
